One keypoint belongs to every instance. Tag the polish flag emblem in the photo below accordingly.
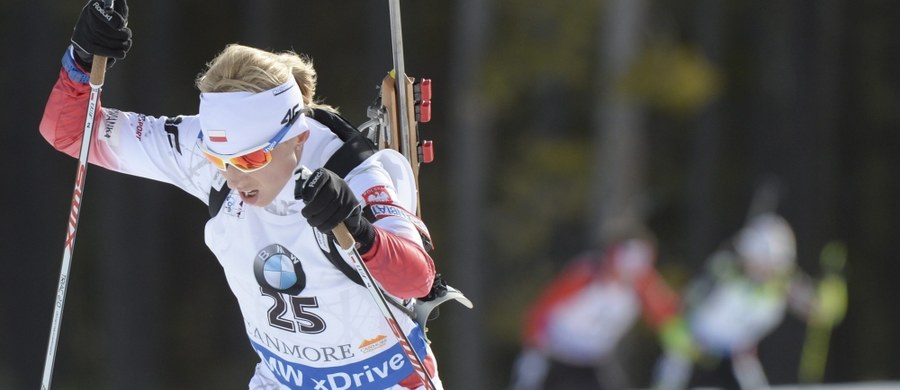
(377, 194)
(217, 136)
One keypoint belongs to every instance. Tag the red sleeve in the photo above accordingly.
(64, 114)
(660, 302)
(403, 268)
(63, 122)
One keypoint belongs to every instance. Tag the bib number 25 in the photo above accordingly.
(291, 313)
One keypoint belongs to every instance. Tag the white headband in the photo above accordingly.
(233, 122)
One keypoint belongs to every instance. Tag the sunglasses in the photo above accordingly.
(250, 160)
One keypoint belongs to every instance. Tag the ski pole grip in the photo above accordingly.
(98, 71)
(343, 236)
(98, 64)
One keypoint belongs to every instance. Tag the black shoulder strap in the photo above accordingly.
(356, 149)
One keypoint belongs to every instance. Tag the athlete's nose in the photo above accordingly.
(235, 178)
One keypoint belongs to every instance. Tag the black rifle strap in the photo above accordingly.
(356, 149)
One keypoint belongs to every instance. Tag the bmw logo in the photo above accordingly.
(277, 268)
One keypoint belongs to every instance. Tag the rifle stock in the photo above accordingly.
(401, 105)
(407, 144)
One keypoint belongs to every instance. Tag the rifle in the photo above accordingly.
(403, 102)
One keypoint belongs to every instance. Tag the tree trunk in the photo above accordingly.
(471, 123)
(702, 228)
(617, 175)
(134, 230)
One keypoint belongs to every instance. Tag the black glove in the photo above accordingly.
(329, 202)
(103, 32)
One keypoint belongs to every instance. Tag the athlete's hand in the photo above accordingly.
(329, 202)
(103, 32)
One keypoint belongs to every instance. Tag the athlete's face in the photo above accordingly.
(259, 188)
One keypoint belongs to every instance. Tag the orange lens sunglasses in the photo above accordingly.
(247, 161)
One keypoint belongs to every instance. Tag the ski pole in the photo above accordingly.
(348, 245)
(98, 75)
(831, 308)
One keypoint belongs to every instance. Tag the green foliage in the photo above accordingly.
(543, 187)
(526, 281)
(533, 45)
(537, 199)
(674, 78)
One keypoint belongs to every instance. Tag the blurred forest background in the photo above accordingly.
(550, 117)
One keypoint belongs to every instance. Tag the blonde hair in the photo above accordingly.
(243, 68)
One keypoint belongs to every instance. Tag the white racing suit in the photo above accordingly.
(329, 335)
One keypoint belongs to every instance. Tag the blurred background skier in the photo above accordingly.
(572, 328)
(743, 295)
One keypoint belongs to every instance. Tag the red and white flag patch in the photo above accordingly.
(377, 194)
(217, 136)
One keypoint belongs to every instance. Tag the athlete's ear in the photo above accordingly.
(301, 139)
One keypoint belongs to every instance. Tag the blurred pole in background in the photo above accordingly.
(134, 234)
(830, 91)
(773, 95)
(617, 169)
(817, 58)
(702, 230)
(471, 122)
(793, 136)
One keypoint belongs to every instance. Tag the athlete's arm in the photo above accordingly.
(158, 148)
(64, 115)
(402, 266)
(390, 246)
(385, 184)
(660, 302)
